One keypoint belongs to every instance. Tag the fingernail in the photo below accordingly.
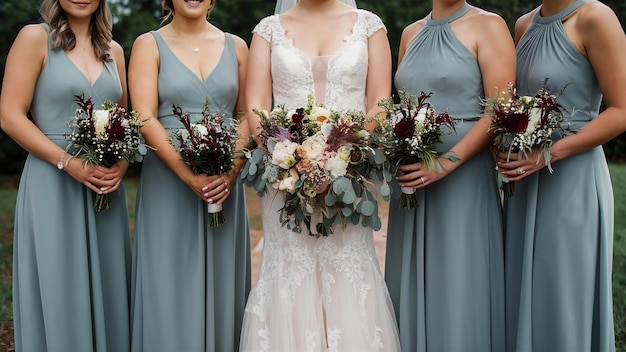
(206, 194)
(210, 200)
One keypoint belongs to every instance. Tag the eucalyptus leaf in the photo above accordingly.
(252, 169)
(367, 207)
(329, 199)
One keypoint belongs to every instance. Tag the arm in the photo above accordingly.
(25, 61)
(378, 84)
(604, 43)
(495, 54)
(143, 75)
(258, 91)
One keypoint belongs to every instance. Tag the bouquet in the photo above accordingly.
(521, 123)
(410, 135)
(104, 137)
(323, 162)
(208, 147)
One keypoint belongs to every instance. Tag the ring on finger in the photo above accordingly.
(422, 179)
(520, 171)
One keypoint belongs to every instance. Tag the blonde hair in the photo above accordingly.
(168, 9)
(63, 37)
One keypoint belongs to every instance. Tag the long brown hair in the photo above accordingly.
(63, 37)
(168, 9)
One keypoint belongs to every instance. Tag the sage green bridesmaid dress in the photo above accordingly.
(444, 262)
(71, 264)
(559, 226)
(190, 281)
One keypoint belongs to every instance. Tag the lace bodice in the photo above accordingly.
(346, 70)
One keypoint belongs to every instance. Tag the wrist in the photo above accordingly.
(60, 164)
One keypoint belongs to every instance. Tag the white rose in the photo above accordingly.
(317, 112)
(534, 118)
(200, 130)
(283, 154)
(315, 146)
(287, 184)
(101, 120)
(421, 115)
(336, 166)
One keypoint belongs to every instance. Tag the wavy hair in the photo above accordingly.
(63, 37)
(168, 9)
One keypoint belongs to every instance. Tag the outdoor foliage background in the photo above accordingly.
(133, 17)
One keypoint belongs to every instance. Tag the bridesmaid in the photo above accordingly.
(190, 281)
(559, 226)
(444, 263)
(71, 265)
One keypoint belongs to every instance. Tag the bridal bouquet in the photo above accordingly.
(323, 162)
(105, 136)
(410, 135)
(208, 147)
(521, 123)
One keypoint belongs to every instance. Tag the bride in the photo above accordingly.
(327, 293)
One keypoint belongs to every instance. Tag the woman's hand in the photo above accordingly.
(100, 179)
(516, 169)
(418, 175)
(217, 188)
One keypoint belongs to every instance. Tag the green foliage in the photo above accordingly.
(134, 17)
(618, 179)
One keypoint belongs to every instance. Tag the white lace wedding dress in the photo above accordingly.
(328, 293)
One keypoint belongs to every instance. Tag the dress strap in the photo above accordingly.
(573, 7)
(560, 15)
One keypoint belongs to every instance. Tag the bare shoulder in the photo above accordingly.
(594, 14)
(116, 50)
(411, 30)
(486, 21)
(34, 34)
(144, 42)
(523, 22)
(240, 44)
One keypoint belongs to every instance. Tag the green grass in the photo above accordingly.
(618, 179)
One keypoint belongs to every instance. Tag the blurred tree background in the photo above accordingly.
(133, 17)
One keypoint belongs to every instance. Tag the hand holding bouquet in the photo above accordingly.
(522, 123)
(104, 137)
(208, 147)
(323, 163)
(410, 134)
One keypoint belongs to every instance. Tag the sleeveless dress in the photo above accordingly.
(328, 293)
(190, 281)
(559, 227)
(71, 264)
(444, 262)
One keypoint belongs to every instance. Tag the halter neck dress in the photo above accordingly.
(559, 226)
(444, 262)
